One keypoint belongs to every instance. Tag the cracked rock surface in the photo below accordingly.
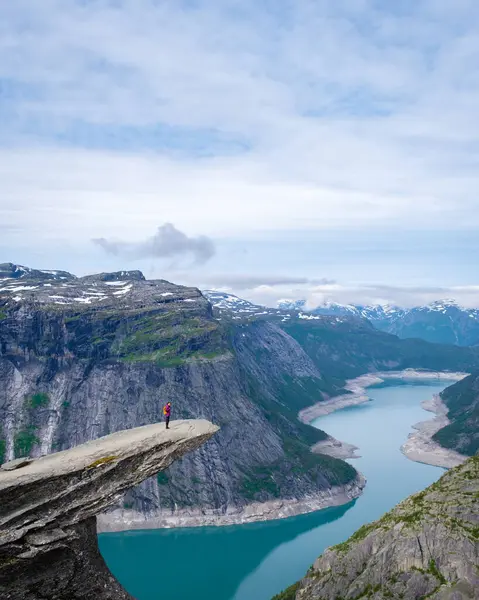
(426, 547)
(48, 508)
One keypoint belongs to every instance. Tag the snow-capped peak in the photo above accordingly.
(289, 304)
(442, 305)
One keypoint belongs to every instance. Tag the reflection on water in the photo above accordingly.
(255, 561)
(192, 559)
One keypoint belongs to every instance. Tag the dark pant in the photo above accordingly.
(167, 421)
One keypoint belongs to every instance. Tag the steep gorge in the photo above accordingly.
(84, 357)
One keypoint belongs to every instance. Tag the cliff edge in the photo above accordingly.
(426, 547)
(48, 508)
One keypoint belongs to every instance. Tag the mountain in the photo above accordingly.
(286, 304)
(346, 348)
(462, 401)
(441, 322)
(231, 307)
(426, 547)
(12, 271)
(84, 357)
(87, 356)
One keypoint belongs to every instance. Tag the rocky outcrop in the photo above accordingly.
(48, 508)
(12, 271)
(426, 547)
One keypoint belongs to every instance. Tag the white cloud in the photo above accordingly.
(406, 296)
(313, 115)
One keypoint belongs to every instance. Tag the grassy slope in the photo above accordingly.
(349, 350)
(462, 434)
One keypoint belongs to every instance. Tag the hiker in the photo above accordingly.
(167, 413)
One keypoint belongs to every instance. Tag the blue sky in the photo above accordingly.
(307, 141)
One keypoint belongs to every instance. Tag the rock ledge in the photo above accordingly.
(48, 508)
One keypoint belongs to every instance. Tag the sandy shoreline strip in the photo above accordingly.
(420, 446)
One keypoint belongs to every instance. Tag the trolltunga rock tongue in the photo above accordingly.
(48, 508)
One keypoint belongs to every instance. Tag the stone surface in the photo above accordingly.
(420, 445)
(335, 448)
(17, 463)
(426, 547)
(48, 541)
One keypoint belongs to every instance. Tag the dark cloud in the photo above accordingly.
(244, 282)
(168, 242)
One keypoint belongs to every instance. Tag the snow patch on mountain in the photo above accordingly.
(443, 321)
(288, 304)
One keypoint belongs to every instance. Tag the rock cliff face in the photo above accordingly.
(48, 541)
(426, 547)
(84, 357)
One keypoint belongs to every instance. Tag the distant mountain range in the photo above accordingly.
(81, 357)
(442, 322)
(231, 307)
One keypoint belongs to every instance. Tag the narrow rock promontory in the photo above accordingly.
(48, 508)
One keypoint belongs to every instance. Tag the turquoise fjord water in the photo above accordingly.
(254, 562)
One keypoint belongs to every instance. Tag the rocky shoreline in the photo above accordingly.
(420, 446)
(121, 520)
(335, 448)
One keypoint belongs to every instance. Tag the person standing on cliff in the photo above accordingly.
(167, 413)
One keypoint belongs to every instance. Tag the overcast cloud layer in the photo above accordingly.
(269, 131)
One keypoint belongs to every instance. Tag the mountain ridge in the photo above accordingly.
(89, 356)
(440, 322)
